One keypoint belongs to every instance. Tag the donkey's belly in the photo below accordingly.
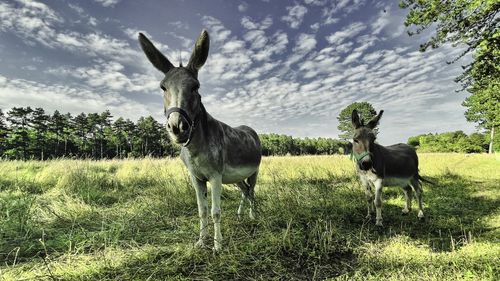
(396, 181)
(237, 174)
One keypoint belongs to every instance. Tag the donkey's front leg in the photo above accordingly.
(201, 198)
(216, 184)
(378, 201)
(368, 196)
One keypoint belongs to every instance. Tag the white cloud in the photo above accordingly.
(247, 23)
(20, 92)
(35, 22)
(256, 38)
(110, 76)
(347, 32)
(217, 30)
(316, 2)
(304, 44)
(179, 24)
(295, 15)
(242, 7)
(108, 3)
(381, 21)
(332, 14)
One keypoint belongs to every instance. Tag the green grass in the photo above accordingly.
(137, 220)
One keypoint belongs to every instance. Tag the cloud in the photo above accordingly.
(107, 3)
(217, 30)
(179, 24)
(316, 2)
(295, 15)
(303, 45)
(83, 15)
(242, 7)
(21, 92)
(133, 34)
(108, 76)
(35, 22)
(347, 32)
(381, 21)
(331, 14)
(247, 23)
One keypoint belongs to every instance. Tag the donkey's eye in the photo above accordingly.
(356, 140)
(163, 88)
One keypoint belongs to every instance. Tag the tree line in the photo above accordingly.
(27, 133)
(31, 133)
(456, 141)
(274, 144)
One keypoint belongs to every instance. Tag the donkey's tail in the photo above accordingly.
(420, 178)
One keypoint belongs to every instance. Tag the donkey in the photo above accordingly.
(380, 166)
(211, 150)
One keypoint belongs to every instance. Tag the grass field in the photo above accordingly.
(137, 220)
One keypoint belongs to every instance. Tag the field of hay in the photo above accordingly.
(137, 220)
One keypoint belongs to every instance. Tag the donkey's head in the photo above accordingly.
(180, 86)
(363, 140)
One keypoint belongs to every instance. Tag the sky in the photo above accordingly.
(286, 67)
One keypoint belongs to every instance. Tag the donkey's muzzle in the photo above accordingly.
(365, 165)
(178, 126)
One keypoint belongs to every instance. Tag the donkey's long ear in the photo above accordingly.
(155, 57)
(374, 122)
(356, 123)
(200, 52)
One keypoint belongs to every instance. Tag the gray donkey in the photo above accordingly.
(380, 166)
(211, 150)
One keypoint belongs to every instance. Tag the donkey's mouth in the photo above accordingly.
(179, 139)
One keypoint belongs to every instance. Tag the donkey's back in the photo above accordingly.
(400, 160)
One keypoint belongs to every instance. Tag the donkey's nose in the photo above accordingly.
(177, 125)
(365, 165)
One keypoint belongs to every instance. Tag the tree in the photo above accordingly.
(81, 126)
(469, 23)
(19, 139)
(148, 131)
(366, 111)
(484, 102)
(60, 128)
(3, 133)
(475, 25)
(39, 121)
(104, 130)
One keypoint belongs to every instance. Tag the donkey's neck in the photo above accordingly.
(201, 135)
(378, 159)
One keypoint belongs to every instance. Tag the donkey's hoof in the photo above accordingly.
(405, 211)
(379, 223)
(421, 215)
(199, 244)
(368, 217)
(217, 247)
(252, 216)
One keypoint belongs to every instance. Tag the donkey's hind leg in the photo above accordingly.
(418, 192)
(252, 181)
(408, 196)
(243, 186)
